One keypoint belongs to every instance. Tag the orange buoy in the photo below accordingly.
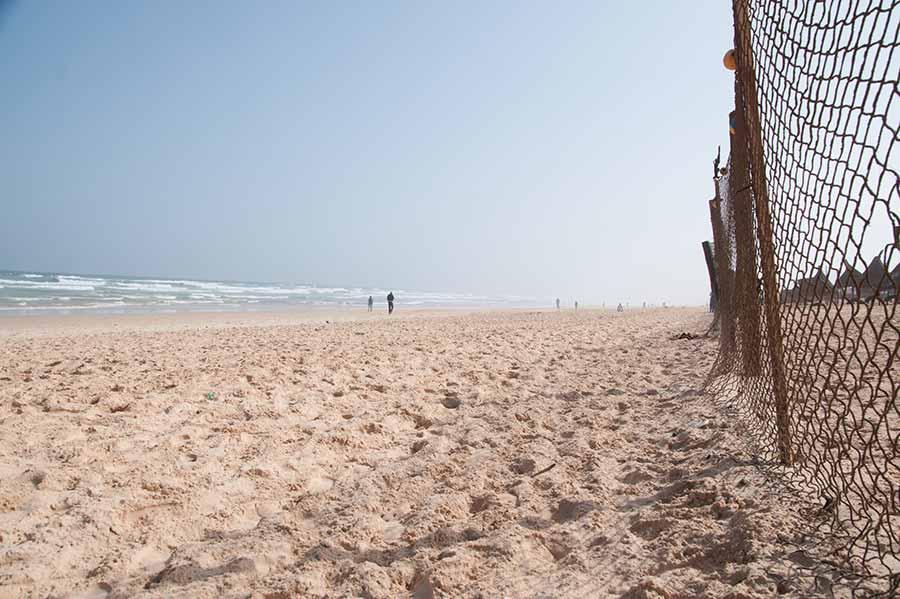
(729, 60)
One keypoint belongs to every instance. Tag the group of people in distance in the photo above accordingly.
(619, 308)
(390, 302)
(557, 304)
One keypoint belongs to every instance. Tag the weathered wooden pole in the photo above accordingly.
(711, 269)
(725, 314)
(746, 77)
(746, 295)
(724, 279)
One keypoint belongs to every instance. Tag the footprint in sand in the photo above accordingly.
(568, 510)
(148, 558)
(101, 590)
(523, 466)
(635, 476)
(649, 529)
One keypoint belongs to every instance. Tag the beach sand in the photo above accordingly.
(516, 454)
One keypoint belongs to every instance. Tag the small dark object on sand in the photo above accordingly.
(451, 402)
(685, 336)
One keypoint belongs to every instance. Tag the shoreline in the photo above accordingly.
(61, 324)
(52, 324)
(33, 325)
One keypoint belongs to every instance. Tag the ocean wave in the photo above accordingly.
(20, 308)
(48, 291)
(45, 286)
(81, 280)
(197, 302)
(142, 286)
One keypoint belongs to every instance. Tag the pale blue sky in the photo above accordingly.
(492, 147)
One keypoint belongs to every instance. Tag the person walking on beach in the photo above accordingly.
(557, 303)
(576, 304)
(370, 303)
(390, 299)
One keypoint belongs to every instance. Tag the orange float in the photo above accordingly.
(729, 60)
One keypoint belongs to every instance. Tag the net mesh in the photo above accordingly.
(805, 229)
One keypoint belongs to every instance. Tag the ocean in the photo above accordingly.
(40, 292)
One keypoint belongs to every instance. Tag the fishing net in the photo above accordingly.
(805, 229)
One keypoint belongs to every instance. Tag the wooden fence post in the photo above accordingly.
(746, 295)
(713, 280)
(746, 78)
(724, 277)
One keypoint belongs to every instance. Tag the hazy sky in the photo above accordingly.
(492, 147)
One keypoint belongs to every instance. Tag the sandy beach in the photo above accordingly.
(504, 454)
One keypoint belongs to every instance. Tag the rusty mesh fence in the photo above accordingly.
(805, 228)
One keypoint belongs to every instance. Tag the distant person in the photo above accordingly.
(576, 304)
(371, 302)
(620, 308)
(557, 303)
(390, 299)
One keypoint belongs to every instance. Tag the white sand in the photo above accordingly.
(498, 454)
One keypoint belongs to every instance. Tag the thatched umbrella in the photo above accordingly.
(850, 281)
(876, 280)
(816, 287)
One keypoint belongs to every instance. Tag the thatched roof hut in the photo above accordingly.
(812, 288)
(849, 278)
(876, 280)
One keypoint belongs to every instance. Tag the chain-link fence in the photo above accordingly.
(805, 229)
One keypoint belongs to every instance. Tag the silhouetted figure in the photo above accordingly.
(390, 299)
(557, 303)
(620, 308)
(576, 304)
(371, 301)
